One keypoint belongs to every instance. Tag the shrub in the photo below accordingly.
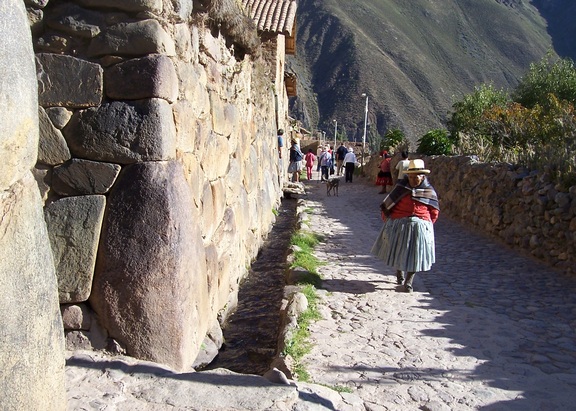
(548, 76)
(435, 142)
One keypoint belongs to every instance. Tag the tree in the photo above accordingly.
(548, 76)
(435, 142)
(467, 113)
(392, 138)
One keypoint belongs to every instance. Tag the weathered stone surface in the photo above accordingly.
(74, 20)
(149, 285)
(78, 340)
(36, 3)
(53, 43)
(35, 17)
(68, 81)
(153, 6)
(74, 225)
(84, 177)
(32, 343)
(19, 108)
(133, 39)
(59, 116)
(52, 147)
(123, 132)
(43, 176)
(524, 209)
(146, 77)
(75, 316)
(183, 8)
(182, 41)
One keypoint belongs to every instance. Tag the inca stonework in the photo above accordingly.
(150, 128)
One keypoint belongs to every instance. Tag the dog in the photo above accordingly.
(332, 186)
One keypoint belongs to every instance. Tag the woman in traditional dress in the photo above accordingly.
(406, 241)
(384, 177)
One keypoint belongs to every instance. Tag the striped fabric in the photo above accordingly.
(406, 244)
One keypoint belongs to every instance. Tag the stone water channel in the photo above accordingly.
(251, 333)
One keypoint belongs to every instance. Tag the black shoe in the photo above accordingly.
(408, 288)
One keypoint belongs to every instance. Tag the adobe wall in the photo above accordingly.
(158, 166)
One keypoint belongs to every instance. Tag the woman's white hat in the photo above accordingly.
(416, 166)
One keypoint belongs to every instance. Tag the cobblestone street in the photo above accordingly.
(486, 329)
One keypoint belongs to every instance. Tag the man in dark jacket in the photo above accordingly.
(340, 154)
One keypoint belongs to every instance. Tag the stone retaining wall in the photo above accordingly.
(158, 166)
(524, 209)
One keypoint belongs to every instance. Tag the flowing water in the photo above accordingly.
(251, 333)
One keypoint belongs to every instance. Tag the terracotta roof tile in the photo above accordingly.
(277, 16)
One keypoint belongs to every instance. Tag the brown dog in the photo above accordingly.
(332, 186)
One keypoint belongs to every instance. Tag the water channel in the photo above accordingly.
(251, 332)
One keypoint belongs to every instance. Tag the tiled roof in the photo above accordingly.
(276, 16)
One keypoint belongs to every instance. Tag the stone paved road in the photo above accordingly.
(486, 329)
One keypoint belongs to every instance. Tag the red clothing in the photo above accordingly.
(407, 207)
(385, 164)
(310, 159)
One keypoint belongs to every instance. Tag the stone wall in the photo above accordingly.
(158, 166)
(523, 209)
(32, 339)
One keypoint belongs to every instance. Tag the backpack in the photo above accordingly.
(327, 159)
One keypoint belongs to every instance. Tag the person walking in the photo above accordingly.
(349, 164)
(402, 165)
(309, 159)
(406, 241)
(296, 157)
(384, 177)
(340, 154)
(325, 161)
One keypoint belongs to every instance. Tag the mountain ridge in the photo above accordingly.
(413, 59)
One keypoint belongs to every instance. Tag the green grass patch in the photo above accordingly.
(339, 388)
(305, 240)
(299, 345)
(275, 212)
(304, 258)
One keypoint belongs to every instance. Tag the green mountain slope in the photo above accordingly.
(413, 58)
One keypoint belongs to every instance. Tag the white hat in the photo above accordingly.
(416, 166)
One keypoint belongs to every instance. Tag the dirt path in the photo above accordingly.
(485, 329)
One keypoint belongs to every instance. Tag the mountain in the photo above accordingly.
(413, 58)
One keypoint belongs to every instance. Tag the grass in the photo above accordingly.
(306, 241)
(339, 388)
(299, 345)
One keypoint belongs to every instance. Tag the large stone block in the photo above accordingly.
(150, 288)
(84, 177)
(32, 343)
(74, 225)
(131, 6)
(133, 39)
(123, 132)
(19, 101)
(146, 77)
(75, 20)
(68, 82)
(52, 147)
